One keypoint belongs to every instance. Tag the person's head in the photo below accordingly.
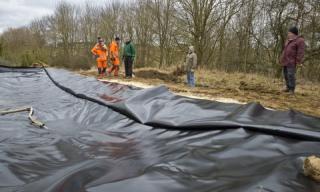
(117, 39)
(100, 41)
(293, 32)
(191, 49)
(127, 39)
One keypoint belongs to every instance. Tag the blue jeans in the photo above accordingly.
(190, 79)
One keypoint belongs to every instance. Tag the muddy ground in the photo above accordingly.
(230, 87)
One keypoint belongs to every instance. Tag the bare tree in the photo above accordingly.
(201, 20)
(143, 27)
(228, 10)
(163, 15)
(65, 19)
(242, 35)
(89, 25)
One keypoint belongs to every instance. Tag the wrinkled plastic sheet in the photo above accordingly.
(113, 137)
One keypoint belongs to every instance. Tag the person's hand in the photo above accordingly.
(192, 70)
(300, 65)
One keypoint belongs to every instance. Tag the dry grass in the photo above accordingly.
(242, 87)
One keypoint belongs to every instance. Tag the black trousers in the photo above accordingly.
(128, 62)
(289, 74)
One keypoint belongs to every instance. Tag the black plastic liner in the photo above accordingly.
(112, 137)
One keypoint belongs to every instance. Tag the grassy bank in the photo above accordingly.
(239, 86)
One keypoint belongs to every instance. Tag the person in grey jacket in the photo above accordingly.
(191, 65)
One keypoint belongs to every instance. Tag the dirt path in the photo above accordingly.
(230, 88)
(185, 93)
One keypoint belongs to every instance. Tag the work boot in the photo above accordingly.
(285, 90)
(291, 92)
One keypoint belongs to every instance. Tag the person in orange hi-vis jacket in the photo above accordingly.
(114, 56)
(100, 52)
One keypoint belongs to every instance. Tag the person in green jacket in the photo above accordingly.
(129, 54)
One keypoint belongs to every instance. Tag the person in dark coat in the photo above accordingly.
(292, 56)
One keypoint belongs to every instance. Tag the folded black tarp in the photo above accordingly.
(112, 137)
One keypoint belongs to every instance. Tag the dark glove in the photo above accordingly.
(96, 56)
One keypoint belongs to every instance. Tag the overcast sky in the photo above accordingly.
(16, 13)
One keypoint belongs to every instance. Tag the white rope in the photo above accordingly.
(32, 119)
